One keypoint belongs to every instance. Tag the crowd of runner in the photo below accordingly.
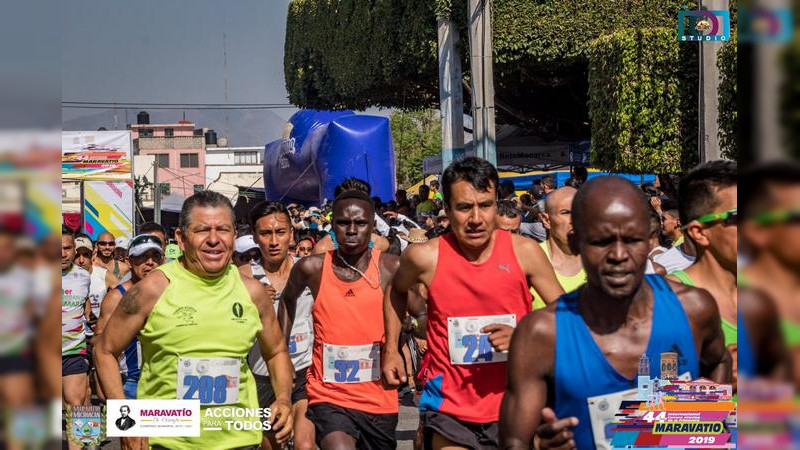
(504, 312)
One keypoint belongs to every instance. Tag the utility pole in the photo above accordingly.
(480, 50)
(708, 136)
(451, 97)
(156, 193)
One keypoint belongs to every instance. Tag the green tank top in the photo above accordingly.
(568, 283)
(728, 329)
(200, 318)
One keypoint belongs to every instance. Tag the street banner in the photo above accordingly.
(108, 206)
(96, 155)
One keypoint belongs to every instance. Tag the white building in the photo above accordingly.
(229, 167)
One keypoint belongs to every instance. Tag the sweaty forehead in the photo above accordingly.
(352, 208)
(463, 191)
(211, 216)
(609, 200)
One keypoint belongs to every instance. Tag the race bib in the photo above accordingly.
(213, 381)
(468, 345)
(300, 339)
(351, 363)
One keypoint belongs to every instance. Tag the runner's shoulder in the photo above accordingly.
(537, 334)
(390, 261)
(525, 245)
(311, 264)
(150, 287)
(423, 255)
(698, 304)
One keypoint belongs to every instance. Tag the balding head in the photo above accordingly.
(608, 193)
(560, 197)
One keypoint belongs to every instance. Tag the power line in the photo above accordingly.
(123, 104)
(218, 108)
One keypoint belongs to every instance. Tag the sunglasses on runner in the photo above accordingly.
(106, 243)
(250, 255)
(778, 217)
(728, 218)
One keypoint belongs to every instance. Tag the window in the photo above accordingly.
(169, 132)
(189, 160)
(162, 159)
(240, 158)
(146, 132)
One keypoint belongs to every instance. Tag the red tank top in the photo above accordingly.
(471, 393)
(348, 315)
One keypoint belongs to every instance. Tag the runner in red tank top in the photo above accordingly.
(347, 402)
(478, 281)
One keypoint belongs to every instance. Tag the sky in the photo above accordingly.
(171, 52)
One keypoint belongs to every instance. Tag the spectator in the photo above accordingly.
(671, 227)
(245, 250)
(426, 206)
(508, 216)
(304, 246)
(507, 191)
(548, 184)
(436, 194)
(581, 174)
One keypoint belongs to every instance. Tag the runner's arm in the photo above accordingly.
(526, 390)
(126, 321)
(538, 269)
(107, 307)
(287, 304)
(395, 299)
(701, 309)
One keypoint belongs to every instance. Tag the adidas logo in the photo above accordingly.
(349, 293)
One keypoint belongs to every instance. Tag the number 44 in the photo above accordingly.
(650, 416)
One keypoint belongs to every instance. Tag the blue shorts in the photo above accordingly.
(74, 365)
(129, 385)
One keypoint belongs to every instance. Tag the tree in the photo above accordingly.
(416, 134)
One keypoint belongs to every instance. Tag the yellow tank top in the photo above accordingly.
(568, 283)
(200, 318)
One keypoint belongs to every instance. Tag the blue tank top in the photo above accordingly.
(582, 371)
(745, 357)
(130, 361)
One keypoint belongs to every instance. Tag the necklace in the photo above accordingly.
(363, 275)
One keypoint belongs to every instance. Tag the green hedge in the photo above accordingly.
(728, 113)
(643, 101)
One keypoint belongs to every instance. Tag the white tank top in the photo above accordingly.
(16, 293)
(97, 291)
(74, 292)
(302, 335)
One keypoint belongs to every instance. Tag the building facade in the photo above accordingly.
(180, 153)
(230, 167)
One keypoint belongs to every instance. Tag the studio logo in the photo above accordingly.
(764, 25)
(704, 26)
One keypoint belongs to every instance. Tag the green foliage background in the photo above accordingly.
(643, 101)
(416, 135)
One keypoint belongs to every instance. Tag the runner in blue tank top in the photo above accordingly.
(761, 347)
(589, 343)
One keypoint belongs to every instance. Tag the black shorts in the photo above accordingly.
(475, 436)
(371, 431)
(266, 396)
(15, 364)
(74, 365)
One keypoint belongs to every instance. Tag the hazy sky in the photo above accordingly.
(171, 51)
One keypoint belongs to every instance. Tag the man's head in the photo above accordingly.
(124, 410)
(671, 223)
(707, 205)
(536, 192)
(272, 231)
(508, 216)
(581, 174)
(548, 183)
(154, 229)
(352, 184)
(206, 232)
(67, 251)
(105, 245)
(145, 253)
(557, 215)
(353, 221)
(655, 229)
(771, 209)
(304, 247)
(611, 227)
(506, 189)
(469, 187)
(83, 252)
(435, 185)
(424, 192)
(401, 196)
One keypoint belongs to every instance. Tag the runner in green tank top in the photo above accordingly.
(199, 315)
(707, 205)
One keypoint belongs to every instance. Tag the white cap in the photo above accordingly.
(122, 242)
(244, 243)
(144, 242)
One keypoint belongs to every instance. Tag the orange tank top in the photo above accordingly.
(348, 335)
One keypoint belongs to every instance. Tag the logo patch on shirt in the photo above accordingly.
(349, 293)
(506, 267)
(186, 316)
(238, 312)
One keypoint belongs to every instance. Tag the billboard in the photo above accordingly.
(108, 206)
(96, 155)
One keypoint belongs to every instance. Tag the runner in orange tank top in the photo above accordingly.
(347, 402)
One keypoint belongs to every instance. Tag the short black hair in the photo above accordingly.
(697, 191)
(425, 188)
(203, 199)
(506, 208)
(581, 173)
(756, 199)
(352, 184)
(549, 181)
(476, 171)
(263, 209)
(152, 227)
